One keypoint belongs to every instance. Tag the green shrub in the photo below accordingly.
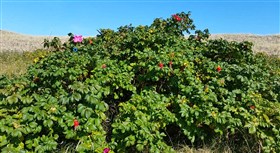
(143, 89)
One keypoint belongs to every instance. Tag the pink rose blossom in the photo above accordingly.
(106, 150)
(78, 38)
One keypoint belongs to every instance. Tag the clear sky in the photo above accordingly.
(85, 17)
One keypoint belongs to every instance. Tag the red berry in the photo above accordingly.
(252, 107)
(103, 66)
(160, 65)
(76, 123)
(219, 68)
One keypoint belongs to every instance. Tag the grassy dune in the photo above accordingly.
(269, 44)
(11, 41)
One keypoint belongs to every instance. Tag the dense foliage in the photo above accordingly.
(145, 88)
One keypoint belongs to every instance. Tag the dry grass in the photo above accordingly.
(13, 63)
(187, 149)
(13, 59)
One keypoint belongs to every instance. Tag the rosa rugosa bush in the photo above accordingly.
(143, 89)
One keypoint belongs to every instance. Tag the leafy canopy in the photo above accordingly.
(144, 88)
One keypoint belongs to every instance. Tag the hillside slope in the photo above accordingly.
(269, 44)
(11, 41)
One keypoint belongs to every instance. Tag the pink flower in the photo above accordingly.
(78, 38)
(106, 150)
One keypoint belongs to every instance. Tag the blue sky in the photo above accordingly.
(85, 17)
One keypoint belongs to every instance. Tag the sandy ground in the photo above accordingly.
(11, 41)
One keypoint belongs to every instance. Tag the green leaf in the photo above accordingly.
(3, 141)
(91, 99)
(140, 147)
(16, 133)
(88, 113)
(266, 118)
(29, 144)
(27, 100)
(81, 108)
(33, 124)
(252, 129)
(64, 100)
(106, 91)
(77, 96)
(100, 106)
(116, 96)
(48, 123)
(12, 99)
(69, 134)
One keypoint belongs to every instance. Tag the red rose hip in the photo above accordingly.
(104, 66)
(160, 65)
(219, 69)
(76, 124)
